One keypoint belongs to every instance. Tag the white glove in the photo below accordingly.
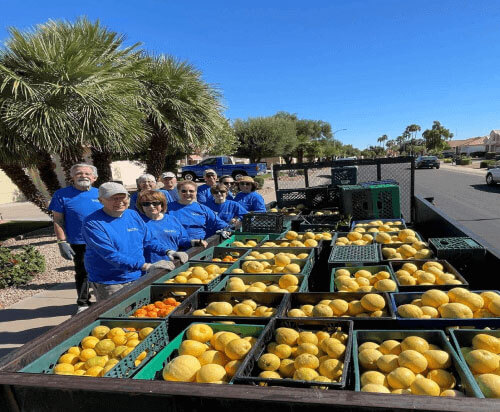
(225, 234)
(160, 266)
(182, 256)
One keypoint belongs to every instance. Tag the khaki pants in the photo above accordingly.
(103, 291)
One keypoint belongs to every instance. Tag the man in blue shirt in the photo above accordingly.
(116, 239)
(70, 206)
(204, 194)
(170, 185)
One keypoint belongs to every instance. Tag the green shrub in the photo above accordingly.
(18, 269)
(464, 161)
(447, 160)
(259, 180)
(486, 163)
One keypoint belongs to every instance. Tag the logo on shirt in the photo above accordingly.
(95, 200)
(132, 229)
(169, 230)
(196, 214)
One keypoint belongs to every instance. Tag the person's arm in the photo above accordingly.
(258, 203)
(201, 197)
(183, 241)
(213, 223)
(58, 219)
(152, 243)
(240, 211)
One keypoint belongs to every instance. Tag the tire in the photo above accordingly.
(237, 174)
(437, 167)
(489, 179)
(189, 176)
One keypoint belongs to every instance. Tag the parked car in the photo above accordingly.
(223, 165)
(427, 161)
(493, 176)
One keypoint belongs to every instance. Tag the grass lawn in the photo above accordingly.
(18, 227)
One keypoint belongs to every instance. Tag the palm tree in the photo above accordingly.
(65, 86)
(382, 139)
(182, 110)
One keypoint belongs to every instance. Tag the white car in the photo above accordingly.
(493, 176)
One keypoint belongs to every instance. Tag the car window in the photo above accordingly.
(209, 161)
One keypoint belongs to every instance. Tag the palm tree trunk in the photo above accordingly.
(46, 169)
(157, 153)
(102, 161)
(26, 186)
(70, 158)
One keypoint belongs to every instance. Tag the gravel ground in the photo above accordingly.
(57, 270)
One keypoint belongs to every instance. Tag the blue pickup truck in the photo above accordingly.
(223, 165)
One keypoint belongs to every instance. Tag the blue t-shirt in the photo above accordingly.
(227, 210)
(203, 194)
(133, 198)
(199, 221)
(116, 245)
(253, 201)
(75, 205)
(174, 195)
(170, 232)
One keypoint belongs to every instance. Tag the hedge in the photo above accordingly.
(17, 269)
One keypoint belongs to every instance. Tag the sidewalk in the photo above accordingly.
(22, 211)
(464, 169)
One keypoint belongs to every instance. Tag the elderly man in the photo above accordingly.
(117, 239)
(169, 181)
(204, 190)
(70, 206)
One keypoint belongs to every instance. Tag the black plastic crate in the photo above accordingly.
(447, 268)
(356, 202)
(263, 223)
(347, 175)
(353, 254)
(317, 197)
(317, 227)
(456, 248)
(247, 374)
(324, 219)
(291, 197)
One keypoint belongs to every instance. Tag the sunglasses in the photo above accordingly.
(218, 192)
(188, 191)
(245, 183)
(228, 183)
(146, 204)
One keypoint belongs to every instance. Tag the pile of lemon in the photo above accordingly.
(256, 255)
(289, 211)
(370, 305)
(325, 213)
(416, 250)
(294, 239)
(247, 307)
(282, 264)
(430, 273)
(198, 274)
(364, 281)
(286, 284)
(457, 303)
(208, 357)
(379, 226)
(412, 366)
(484, 362)
(98, 353)
(248, 243)
(309, 356)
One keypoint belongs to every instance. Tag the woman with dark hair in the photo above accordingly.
(229, 211)
(152, 206)
(248, 197)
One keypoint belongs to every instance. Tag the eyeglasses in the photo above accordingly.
(245, 183)
(218, 192)
(146, 204)
(228, 183)
(188, 191)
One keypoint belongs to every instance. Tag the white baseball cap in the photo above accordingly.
(108, 189)
(168, 174)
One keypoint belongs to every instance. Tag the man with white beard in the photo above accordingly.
(70, 206)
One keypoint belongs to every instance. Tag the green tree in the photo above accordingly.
(436, 138)
(264, 137)
(382, 139)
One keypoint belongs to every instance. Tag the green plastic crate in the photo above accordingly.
(248, 279)
(153, 343)
(386, 201)
(220, 252)
(182, 268)
(436, 337)
(153, 369)
(257, 237)
(353, 269)
(457, 248)
(150, 294)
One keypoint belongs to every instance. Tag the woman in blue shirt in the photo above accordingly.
(146, 182)
(199, 221)
(248, 197)
(152, 206)
(229, 211)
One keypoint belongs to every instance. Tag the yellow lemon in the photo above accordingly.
(181, 369)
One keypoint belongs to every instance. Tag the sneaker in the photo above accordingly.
(81, 309)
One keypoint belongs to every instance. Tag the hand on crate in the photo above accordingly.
(160, 266)
(182, 256)
(199, 242)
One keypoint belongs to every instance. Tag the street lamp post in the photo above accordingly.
(336, 131)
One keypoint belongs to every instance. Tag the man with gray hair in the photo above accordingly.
(70, 206)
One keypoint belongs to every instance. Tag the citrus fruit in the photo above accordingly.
(182, 368)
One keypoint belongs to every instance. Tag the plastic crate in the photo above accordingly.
(153, 369)
(333, 194)
(353, 269)
(151, 294)
(153, 343)
(379, 182)
(219, 253)
(394, 246)
(317, 197)
(436, 337)
(272, 300)
(318, 227)
(208, 286)
(347, 175)
(328, 219)
(463, 338)
(386, 201)
(258, 238)
(448, 268)
(277, 242)
(417, 235)
(295, 300)
(248, 373)
(353, 255)
(263, 223)
(306, 265)
(317, 249)
(267, 279)
(456, 248)
(291, 197)
(388, 221)
(356, 202)
(402, 298)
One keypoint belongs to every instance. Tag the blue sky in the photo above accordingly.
(371, 67)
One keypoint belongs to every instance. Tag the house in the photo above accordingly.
(493, 142)
(468, 146)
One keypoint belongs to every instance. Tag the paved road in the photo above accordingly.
(464, 196)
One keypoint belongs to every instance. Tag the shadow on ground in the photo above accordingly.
(486, 188)
(9, 315)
